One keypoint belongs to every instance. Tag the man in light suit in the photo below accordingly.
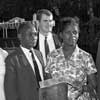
(20, 78)
(45, 25)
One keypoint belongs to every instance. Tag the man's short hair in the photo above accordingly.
(23, 27)
(43, 11)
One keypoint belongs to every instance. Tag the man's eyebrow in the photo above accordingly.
(45, 19)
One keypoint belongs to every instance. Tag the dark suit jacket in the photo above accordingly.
(56, 41)
(20, 82)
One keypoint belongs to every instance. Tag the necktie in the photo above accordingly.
(37, 73)
(46, 46)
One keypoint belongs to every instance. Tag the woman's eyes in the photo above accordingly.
(75, 32)
(71, 32)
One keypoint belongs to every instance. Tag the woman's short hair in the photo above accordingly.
(66, 21)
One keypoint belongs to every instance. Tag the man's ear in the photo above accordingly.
(37, 22)
(19, 36)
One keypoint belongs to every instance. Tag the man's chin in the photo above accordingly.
(49, 30)
(34, 44)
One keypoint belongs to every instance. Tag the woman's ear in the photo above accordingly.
(61, 36)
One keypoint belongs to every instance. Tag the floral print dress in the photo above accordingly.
(3, 55)
(75, 70)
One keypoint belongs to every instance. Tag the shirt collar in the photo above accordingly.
(48, 36)
(75, 52)
(26, 50)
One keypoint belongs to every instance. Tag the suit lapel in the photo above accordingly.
(39, 56)
(24, 64)
(24, 61)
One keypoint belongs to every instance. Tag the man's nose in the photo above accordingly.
(34, 36)
(49, 22)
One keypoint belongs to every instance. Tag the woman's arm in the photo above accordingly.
(91, 81)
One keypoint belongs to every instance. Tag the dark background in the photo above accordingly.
(26, 8)
(89, 25)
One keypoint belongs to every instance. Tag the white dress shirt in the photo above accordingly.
(50, 42)
(3, 55)
(29, 57)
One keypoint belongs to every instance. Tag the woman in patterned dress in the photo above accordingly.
(73, 64)
(3, 55)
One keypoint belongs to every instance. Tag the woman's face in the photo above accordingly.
(71, 35)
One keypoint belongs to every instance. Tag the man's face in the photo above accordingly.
(45, 24)
(29, 38)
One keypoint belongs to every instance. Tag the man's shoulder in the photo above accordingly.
(16, 51)
(56, 40)
(54, 34)
(84, 54)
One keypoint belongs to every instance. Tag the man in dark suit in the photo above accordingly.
(45, 25)
(20, 79)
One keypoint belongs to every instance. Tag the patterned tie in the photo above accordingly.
(37, 73)
(46, 46)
